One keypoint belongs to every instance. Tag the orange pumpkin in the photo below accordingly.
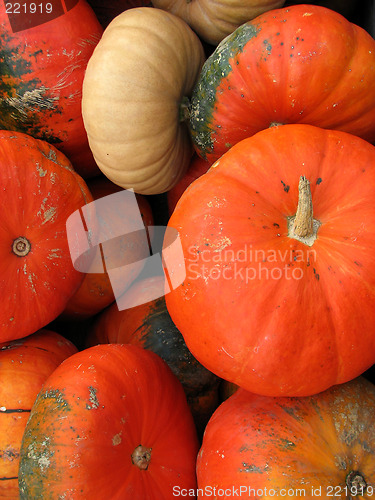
(275, 303)
(45, 48)
(320, 446)
(301, 64)
(112, 422)
(25, 364)
(39, 190)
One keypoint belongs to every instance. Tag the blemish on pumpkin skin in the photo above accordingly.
(58, 397)
(9, 454)
(116, 440)
(251, 468)
(41, 172)
(49, 214)
(94, 403)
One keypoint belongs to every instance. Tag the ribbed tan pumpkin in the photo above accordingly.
(134, 94)
(213, 20)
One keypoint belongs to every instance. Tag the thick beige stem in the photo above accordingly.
(303, 222)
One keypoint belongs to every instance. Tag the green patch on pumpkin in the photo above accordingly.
(25, 103)
(216, 68)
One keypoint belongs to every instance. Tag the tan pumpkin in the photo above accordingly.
(213, 20)
(134, 99)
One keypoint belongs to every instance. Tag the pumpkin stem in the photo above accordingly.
(21, 246)
(303, 222)
(184, 109)
(141, 457)
(356, 484)
(302, 226)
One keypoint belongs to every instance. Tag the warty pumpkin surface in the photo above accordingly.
(320, 446)
(138, 80)
(111, 422)
(39, 190)
(262, 306)
(301, 64)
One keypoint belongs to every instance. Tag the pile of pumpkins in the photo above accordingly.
(244, 134)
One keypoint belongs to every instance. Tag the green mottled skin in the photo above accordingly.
(160, 335)
(216, 68)
(37, 451)
(16, 66)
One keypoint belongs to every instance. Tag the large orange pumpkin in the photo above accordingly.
(45, 47)
(25, 364)
(39, 190)
(321, 446)
(279, 294)
(111, 422)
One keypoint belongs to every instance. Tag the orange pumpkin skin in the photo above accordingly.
(94, 411)
(198, 166)
(298, 447)
(43, 60)
(301, 64)
(95, 292)
(39, 190)
(24, 366)
(258, 307)
(149, 326)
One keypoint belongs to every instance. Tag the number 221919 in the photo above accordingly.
(28, 8)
